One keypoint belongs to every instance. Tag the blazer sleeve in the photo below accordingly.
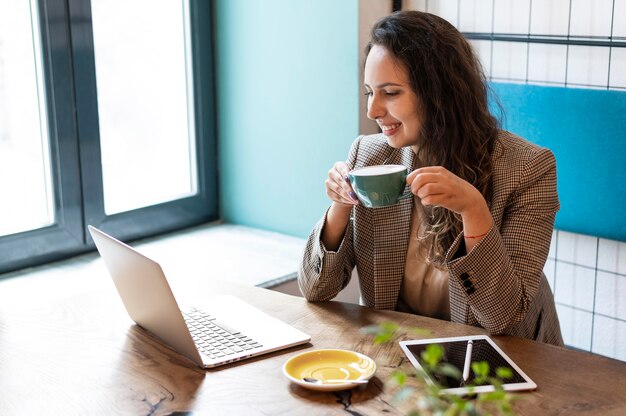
(322, 274)
(501, 275)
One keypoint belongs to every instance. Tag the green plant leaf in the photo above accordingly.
(504, 373)
(383, 333)
(432, 355)
(449, 370)
(506, 408)
(398, 377)
(481, 369)
(492, 396)
(389, 326)
(383, 338)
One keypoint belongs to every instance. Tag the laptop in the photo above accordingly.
(226, 329)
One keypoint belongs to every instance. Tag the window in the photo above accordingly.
(106, 119)
(24, 142)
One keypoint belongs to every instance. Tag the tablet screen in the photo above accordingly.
(455, 349)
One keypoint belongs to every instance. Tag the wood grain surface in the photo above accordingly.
(82, 355)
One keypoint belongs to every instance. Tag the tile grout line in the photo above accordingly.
(615, 318)
(584, 266)
(595, 286)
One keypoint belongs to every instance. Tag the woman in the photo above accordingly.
(471, 244)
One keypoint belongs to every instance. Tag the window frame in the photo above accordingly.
(71, 96)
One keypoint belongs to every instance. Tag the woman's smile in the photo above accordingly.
(390, 129)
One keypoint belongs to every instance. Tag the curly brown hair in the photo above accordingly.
(459, 131)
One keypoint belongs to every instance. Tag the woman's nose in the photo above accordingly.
(375, 109)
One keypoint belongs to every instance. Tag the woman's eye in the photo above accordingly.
(386, 93)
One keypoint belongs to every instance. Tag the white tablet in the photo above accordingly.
(481, 348)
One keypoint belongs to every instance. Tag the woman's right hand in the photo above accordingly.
(338, 186)
(339, 191)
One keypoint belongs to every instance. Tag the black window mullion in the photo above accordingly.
(202, 43)
(86, 110)
(170, 215)
(66, 236)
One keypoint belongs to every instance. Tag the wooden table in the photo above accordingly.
(83, 356)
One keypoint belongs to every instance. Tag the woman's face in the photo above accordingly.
(391, 101)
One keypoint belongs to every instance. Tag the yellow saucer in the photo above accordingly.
(335, 369)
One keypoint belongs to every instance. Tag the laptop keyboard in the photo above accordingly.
(213, 340)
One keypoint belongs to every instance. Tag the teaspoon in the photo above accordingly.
(316, 381)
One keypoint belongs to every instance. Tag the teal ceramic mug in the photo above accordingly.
(380, 185)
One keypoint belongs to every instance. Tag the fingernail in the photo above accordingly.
(353, 196)
(346, 178)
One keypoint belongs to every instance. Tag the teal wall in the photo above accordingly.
(287, 87)
(586, 131)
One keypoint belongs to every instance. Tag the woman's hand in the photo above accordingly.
(435, 185)
(338, 187)
(339, 191)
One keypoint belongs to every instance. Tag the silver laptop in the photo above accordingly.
(225, 330)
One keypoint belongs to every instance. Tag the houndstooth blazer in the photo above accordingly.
(499, 285)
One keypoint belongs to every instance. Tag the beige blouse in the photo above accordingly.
(424, 289)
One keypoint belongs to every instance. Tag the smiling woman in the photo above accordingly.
(471, 243)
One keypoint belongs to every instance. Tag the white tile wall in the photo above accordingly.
(610, 295)
(550, 17)
(618, 67)
(575, 285)
(483, 49)
(509, 60)
(546, 62)
(619, 22)
(476, 16)
(588, 65)
(575, 326)
(591, 301)
(447, 9)
(511, 16)
(612, 256)
(414, 5)
(591, 18)
(609, 337)
(577, 248)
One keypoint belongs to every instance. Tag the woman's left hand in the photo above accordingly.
(436, 185)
